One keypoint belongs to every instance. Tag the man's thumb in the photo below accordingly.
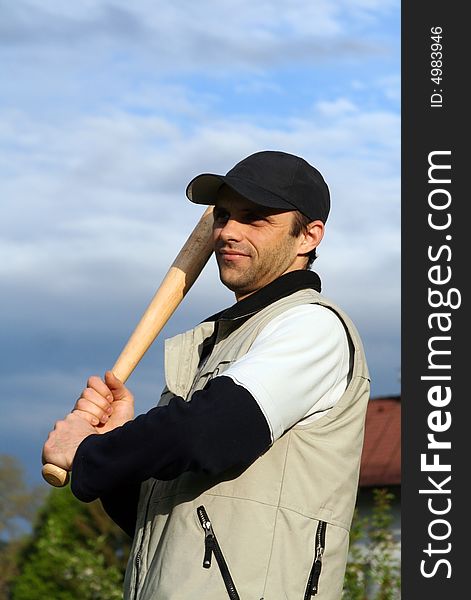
(117, 387)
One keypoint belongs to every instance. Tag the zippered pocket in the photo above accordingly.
(319, 546)
(211, 546)
(138, 558)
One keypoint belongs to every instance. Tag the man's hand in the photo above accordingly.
(102, 406)
(105, 404)
(62, 443)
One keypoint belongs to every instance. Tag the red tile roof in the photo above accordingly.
(381, 458)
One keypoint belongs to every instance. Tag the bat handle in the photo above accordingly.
(55, 476)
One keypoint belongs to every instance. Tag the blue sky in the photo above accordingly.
(108, 109)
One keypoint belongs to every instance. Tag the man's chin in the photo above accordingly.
(229, 283)
(232, 281)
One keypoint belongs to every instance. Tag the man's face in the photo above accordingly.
(252, 243)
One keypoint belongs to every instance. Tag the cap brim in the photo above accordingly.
(204, 188)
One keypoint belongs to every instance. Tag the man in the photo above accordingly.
(242, 482)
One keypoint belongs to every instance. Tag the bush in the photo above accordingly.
(74, 552)
(373, 569)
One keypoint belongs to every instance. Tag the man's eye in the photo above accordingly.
(220, 216)
(252, 217)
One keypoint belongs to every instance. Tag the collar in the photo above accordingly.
(284, 286)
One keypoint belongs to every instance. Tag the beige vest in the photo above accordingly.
(268, 519)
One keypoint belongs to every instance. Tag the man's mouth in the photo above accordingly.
(231, 255)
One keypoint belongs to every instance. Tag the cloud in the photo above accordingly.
(100, 210)
(391, 86)
(123, 176)
(209, 33)
(337, 108)
(258, 86)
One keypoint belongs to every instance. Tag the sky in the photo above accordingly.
(109, 108)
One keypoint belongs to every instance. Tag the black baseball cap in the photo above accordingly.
(269, 178)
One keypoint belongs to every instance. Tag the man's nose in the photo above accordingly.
(231, 230)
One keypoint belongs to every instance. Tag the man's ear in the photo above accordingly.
(311, 237)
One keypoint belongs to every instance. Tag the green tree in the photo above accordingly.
(9, 553)
(355, 582)
(18, 505)
(373, 568)
(75, 552)
(384, 566)
(18, 502)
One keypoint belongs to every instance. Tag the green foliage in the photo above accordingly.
(75, 552)
(9, 556)
(18, 506)
(17, 501)
(355, 582)
(373, 569)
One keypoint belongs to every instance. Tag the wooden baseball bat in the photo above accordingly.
(183, 272)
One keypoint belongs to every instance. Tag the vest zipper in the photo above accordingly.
(211, 546)
(313, 582)
(138, 559)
